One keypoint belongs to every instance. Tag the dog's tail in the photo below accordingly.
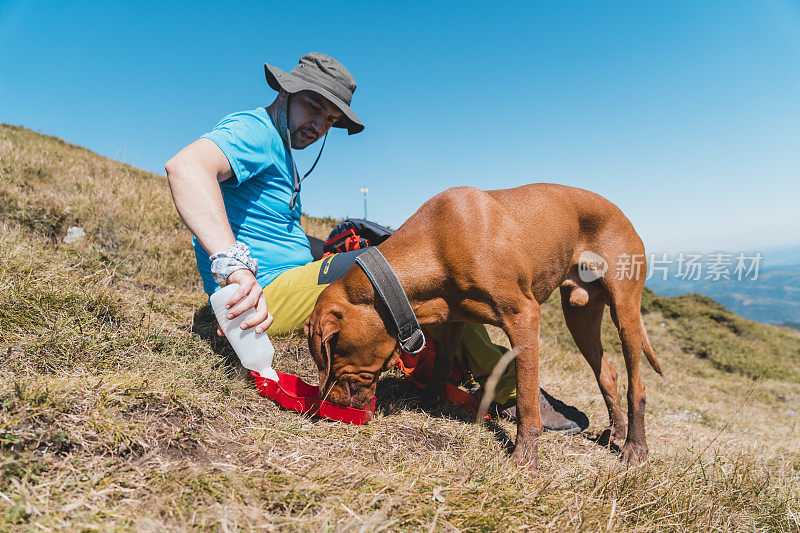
(648, 350)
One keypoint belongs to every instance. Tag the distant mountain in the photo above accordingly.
(773, 297)
(783, 257)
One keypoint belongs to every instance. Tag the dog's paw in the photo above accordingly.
(526, 449)
(633, 454)
(526, 455)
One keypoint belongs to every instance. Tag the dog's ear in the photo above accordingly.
(314, 336)
(331, 325)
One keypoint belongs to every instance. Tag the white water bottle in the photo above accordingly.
(255, 350)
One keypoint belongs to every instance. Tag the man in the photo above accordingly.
(237, 189)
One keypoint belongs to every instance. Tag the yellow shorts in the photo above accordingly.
(292, 295)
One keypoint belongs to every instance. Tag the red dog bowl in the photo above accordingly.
(293, 393)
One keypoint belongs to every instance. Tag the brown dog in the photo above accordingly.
(493, 257)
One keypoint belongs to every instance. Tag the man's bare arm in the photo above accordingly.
(194, 174)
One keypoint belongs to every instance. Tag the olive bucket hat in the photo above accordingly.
(325, 76)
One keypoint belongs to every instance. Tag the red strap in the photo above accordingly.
(340, 236)
(346, 241)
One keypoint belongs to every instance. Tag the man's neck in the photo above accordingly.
(278, 112)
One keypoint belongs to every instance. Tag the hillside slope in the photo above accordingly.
(118, 408)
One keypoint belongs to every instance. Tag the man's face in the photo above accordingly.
(310, 118)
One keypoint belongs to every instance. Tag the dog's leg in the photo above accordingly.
(522, 330)
(626, 313)
(443, 363)
(584, 318)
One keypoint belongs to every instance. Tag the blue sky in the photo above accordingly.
(685, 114)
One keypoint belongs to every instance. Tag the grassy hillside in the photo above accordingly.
(118, 408)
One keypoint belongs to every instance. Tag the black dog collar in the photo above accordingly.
(387, 285)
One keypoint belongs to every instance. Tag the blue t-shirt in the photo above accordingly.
(257, 197)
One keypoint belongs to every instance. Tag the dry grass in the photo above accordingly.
(317, 227)
(118, 410)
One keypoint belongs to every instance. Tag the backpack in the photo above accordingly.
(354, 234)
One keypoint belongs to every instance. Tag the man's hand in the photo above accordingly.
(247, 296)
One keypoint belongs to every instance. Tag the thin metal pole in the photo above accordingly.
(364, 192)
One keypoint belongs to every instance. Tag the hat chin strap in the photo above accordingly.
(283, 128)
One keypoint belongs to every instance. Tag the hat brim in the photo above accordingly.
(278, 79)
